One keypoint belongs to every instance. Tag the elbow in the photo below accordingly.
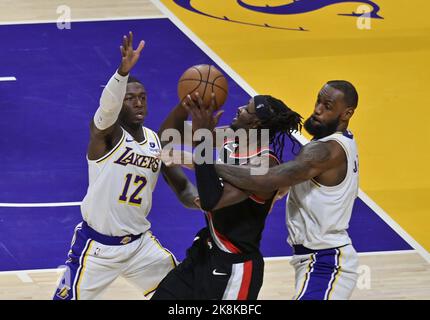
(187, 204)
(208, 205)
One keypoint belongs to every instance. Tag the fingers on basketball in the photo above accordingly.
(206, 80)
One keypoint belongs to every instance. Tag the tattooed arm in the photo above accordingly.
(314, 159)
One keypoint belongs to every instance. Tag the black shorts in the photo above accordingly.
(208, 273)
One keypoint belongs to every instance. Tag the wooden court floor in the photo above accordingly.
(403, 276)
(385, 276)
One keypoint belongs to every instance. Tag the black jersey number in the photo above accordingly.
(140, 182)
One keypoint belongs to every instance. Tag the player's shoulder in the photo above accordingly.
(341, 141)
(317, 150)
(323, 153)
(344, 137)
(152, 136)
(149, 131)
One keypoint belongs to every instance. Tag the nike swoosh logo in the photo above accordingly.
(116, 79)
(129, 140)
(215, 273)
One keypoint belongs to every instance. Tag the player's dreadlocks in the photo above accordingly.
(279, 119)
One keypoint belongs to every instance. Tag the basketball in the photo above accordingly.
(203, 79)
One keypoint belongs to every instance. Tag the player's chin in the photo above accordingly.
(137, 121)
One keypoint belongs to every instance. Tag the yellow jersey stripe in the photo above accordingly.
(315, 182)
(307, 276)
(337, 274)
(83, 267)
(165, 250)
(156, 139)
(150, 291)
(110, 153)
(145, 135)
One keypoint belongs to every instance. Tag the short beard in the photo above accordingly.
(131, 125)
(320, 130)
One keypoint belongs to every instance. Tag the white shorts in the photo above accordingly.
(92, 266)
(329, 274)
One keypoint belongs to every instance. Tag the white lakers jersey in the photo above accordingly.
(318, 216)
(119, 195)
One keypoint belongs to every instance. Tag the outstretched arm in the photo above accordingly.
(174, 175)
(174, 120)
(181, 186)
(314, 158)
(214, 194)
(105, 132)
(231, 195)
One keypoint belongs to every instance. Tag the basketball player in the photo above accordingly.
(123, 159)
(324, 184)
(224, 261)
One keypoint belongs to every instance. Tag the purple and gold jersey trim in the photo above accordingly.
(156, 139)
(322, 275)
(110, 153)
(145, 137)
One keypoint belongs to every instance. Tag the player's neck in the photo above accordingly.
(339, 129)
(136, 131)
(342, 127)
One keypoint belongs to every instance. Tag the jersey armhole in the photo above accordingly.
(111, 152)
(156, 138)
(158, 143)
(345, 149)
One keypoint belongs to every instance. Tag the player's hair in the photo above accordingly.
(281, 124)
(132, 79)
(349, 92)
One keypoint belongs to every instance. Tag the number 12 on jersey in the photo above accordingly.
(134, 199)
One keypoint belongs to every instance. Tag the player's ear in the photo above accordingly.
(347, 114)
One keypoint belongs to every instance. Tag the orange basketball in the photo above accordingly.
(204, 79)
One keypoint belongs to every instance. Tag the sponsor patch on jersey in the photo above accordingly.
(153, 147)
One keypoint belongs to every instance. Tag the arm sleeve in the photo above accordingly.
(209, 186)
(111, 102)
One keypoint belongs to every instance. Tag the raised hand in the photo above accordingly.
(129, 55)
(202, 117)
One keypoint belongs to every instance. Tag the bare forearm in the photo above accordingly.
(284, 175)
(241, 177)
(181, 185)
(175, 119)
(188, 196)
